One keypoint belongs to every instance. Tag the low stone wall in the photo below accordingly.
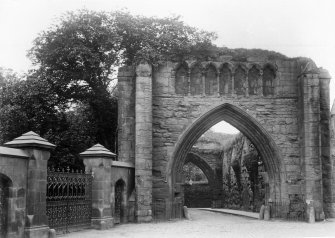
(23, 175)
(13, 186)
(198, 195)
(23, 184)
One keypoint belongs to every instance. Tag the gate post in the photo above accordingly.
(38, 149)
(98, 159)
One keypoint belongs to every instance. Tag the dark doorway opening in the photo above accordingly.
(119, 201)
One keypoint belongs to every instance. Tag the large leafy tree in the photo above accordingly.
(68, 98)
(80, 52)
(30, 104)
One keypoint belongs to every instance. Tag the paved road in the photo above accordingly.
(207, 224)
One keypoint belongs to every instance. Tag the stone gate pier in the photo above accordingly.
(280, 104)
(102, 194)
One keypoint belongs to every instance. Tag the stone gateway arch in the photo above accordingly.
(280, 105)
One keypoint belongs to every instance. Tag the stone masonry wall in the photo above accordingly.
(14, 168)
(279, 106)
(211, 157)
(172, 114)
(198, 195)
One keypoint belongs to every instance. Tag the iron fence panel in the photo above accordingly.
(69, 200)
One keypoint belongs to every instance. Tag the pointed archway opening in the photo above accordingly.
(198, 181)
(249, 127)
(202, 165)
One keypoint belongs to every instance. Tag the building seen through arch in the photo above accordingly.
(237, 177)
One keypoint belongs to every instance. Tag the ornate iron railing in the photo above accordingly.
(69, 199)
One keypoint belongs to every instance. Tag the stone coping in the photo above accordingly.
(232, 212)
(196, 183)
(11, 152)
(122, 164)
(30, 139)
(98, 151)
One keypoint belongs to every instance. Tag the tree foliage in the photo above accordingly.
(77, 55)
(159, 39)
(80, 53)
(30, 105)
(68, 98)
(25, 104)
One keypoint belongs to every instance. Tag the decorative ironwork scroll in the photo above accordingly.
(69, 199)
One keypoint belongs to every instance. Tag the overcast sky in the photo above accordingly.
(291, 27)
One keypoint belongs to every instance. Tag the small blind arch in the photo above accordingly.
(196, 80)
(225, 80)
(268, 80)
(253, 77)
(239, 79)
(181, 80)
(211, 81)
